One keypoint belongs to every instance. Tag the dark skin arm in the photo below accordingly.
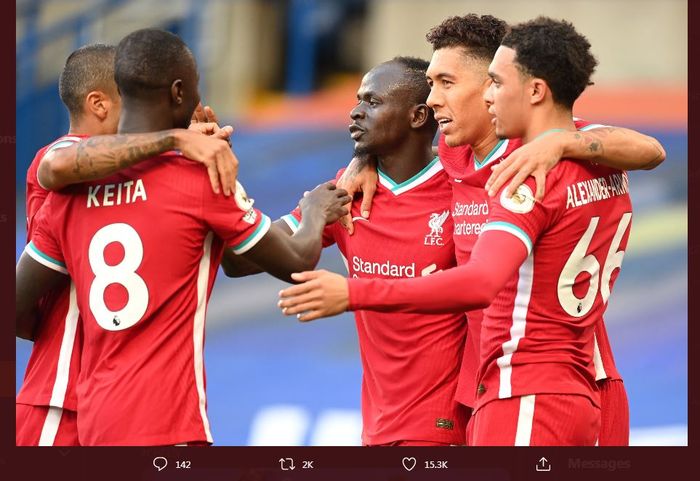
(238, 266)
(280, 254)
(32, 281)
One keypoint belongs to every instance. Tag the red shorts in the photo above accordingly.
(45, 426)
(537, 420)
(614, 414)
(410, 443)
(470, 428)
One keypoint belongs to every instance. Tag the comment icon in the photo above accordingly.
(160, 463)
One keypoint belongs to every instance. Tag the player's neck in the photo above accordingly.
(484, 146)
(84, 126)
(405, 162)
(138, 119)
(548, 121)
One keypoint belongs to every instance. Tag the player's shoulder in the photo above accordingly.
(584, 125)
(511, 145)
(59, 143)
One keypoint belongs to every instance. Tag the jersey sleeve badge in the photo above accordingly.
(521, 202)
(245, 204)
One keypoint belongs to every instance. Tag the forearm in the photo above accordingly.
(234, 265)
(442, 292)
(101, 156)
(306, 243)
(615, 147)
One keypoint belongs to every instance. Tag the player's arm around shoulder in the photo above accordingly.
(616, 147)
(103, 155)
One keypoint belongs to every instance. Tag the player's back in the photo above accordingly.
(537, 335)
(143, 247)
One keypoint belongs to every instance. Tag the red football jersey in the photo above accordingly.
(470, 208)
(538, 334)
(143, 248)
(410, 361)
(52, 370)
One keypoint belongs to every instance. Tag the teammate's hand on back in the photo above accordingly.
(320, 294)
(216, 155)
(360, 176)
(535, 158)
(325, 201)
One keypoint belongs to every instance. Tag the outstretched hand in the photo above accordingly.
(535, 159)
(320, 294)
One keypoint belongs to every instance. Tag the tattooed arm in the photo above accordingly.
(616, 147)
(103, 155)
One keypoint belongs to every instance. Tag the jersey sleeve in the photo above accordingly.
(520, 215)
(234, 218)
(584, 125)
(45, 247)
(495, 257)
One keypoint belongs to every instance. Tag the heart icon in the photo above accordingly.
(409, 463)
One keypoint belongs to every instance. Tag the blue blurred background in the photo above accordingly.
(284, 74)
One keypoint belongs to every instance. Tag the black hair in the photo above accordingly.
(414, 83)
(479, 35)
(89, 68)
(149, 59)
(555, 52)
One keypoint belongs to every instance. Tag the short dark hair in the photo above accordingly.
(479, 35)
(149, 59)
(89, 68)
(415, 85)
(555, 52)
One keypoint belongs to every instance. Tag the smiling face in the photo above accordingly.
(382, 116)
(457, 85)
(507, 97)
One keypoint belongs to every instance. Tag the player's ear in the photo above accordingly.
(420, 114)
(97, 103)
(176, 92)
(538, 89)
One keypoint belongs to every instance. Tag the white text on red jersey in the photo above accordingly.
(116, 194)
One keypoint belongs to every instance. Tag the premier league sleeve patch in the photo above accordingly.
(242, 201)
(522, 202)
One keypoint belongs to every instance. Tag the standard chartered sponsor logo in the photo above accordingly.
(383, 268)
(468, 228)
(472, 208)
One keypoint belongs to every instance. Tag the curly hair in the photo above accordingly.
(479, 35)
(555, 52)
